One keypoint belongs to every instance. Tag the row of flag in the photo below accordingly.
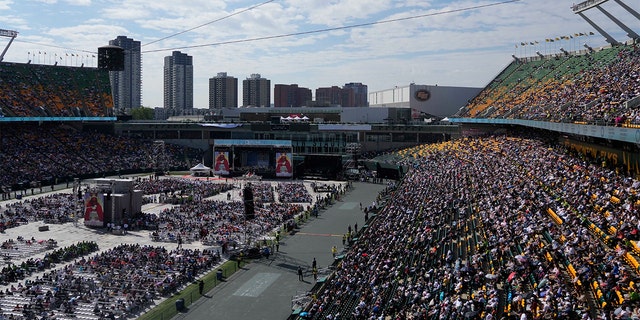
(66, 54)
(575, 35)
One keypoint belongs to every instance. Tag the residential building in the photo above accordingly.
(329, 96)
(126, 85)
(256, 91)
(290, 96)
(178, 82)
(223, 91)
(354, 94)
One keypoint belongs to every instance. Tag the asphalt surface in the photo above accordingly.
(266, 288)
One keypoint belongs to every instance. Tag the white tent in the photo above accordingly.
(200, 170)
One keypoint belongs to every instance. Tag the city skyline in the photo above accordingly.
(382, 43)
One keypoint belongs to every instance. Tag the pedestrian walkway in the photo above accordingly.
(265, 288)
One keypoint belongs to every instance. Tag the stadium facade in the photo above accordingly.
(442, 101)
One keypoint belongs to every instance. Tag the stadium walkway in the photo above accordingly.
(264, 289)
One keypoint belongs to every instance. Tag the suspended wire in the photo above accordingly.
(336, 28)
(283, 35)
(208, 23)
(163, 38)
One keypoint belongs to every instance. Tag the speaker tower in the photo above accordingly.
(249, 207)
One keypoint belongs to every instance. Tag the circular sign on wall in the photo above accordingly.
(422, 95)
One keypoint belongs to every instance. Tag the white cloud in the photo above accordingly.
(79, 2)
(13, 22)
(5, 4)
(465, 47)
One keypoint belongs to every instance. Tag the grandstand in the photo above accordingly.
(49, 92)
(534, 215)
(564, 88)
(534, 212)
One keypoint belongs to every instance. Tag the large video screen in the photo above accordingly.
(221, 163)
(283, 164)
(93, 209)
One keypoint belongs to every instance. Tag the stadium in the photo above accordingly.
(524, 204)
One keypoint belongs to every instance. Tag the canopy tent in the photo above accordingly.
(294, 118)
(200, 170)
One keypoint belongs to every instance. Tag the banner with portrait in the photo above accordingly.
(221, 163)
(283, 164)
(94, 209)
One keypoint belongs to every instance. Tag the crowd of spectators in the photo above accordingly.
(117, 283)
(167, 190)
(220, 223)
(15, 272)
(57, 153)
(492, 228)
(123, 281)
(45, 91)
(591, 88)
(53, 208)
(262, 192)
(293, 192)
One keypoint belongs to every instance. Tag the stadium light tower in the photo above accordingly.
(7, 33)
(589, 4)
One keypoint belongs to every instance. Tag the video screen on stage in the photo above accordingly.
(221, 163)
(256, 159)
(283, 164)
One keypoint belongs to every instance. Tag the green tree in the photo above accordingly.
(142, 113)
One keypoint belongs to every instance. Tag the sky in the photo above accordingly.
(312, 43)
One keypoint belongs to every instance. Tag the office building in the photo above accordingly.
(178, 82)
(223, 91)
(256, 91)
(126, 85)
